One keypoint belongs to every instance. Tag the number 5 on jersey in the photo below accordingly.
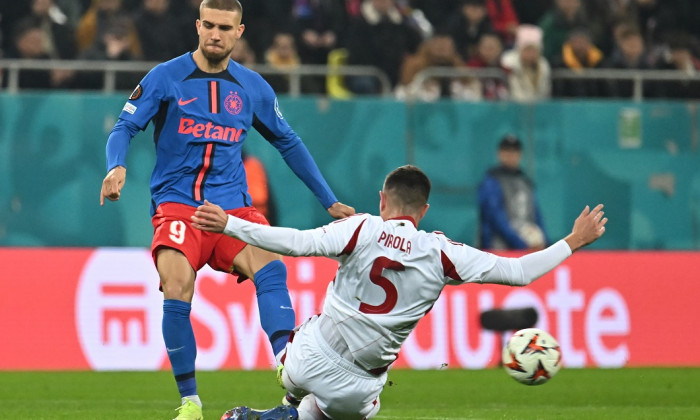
(375, 276)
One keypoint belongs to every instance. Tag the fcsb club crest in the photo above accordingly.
(233, 103)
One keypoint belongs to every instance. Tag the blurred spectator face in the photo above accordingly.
(30, 43)
(632, 47)
(157, 7)
(529, 55)
(109, 5)
(383, 6)
(41, 7)
(580, 44)
(283, 45)
(569, 7)
(490, 49)
(621, 28)
(510, 158)
(441, 50)
(242, 53)
(474, 12)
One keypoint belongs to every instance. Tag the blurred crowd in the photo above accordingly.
(523, 39)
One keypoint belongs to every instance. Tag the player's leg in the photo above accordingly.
(177, 281)
(176, 251)
(269, 274)
(341, 389)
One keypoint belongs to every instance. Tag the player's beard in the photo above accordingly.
(216, 58)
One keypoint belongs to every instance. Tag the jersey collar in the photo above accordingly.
(409, 218)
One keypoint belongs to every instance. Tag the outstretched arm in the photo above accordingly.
(588, 227)
(328, 240)
(117, 147)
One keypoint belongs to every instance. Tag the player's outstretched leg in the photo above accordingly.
(281, 412)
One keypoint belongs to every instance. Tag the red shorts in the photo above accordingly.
(172, 226)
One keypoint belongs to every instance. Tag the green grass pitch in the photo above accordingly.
(646, 393)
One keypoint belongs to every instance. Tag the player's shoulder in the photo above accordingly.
(243, 73)
(177, 68)
(356, 219)
(355, 223)
(442, 240)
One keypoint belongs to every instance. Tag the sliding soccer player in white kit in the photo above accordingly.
(390, 274)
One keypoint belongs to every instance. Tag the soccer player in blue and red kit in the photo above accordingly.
(202, 105)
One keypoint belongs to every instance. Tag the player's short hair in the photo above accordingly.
(409, 185)
(229, 5)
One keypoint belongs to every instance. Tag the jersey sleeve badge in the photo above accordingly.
(138, 91)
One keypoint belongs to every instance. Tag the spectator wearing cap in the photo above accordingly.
(509, 216)
(529, 73)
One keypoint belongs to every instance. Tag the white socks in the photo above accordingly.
(194, 398)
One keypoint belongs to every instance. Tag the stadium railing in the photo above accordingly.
(638, 77)
(11, 68)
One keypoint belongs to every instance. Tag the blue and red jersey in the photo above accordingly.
(200, 123)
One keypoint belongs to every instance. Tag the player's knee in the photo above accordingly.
(272, 277)
(252, 259)
(179, 290)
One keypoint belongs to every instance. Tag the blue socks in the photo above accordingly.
(275, 306)
(276, 317)
(180, 344)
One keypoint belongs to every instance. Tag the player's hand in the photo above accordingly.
(112, 184)
(588, 227)
(339, 210)
(210, 217)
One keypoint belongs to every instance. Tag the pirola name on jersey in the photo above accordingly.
(395, 241)
(208, 130)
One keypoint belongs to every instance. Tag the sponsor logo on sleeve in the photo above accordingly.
(136, 93)
(129, 107)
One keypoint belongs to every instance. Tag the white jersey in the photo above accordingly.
(390, 274)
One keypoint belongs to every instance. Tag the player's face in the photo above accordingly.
(218, 32)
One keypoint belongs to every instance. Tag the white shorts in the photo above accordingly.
(342, 389)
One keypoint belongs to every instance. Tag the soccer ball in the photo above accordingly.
(531, 356)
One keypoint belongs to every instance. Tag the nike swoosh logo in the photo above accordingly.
(172, 350)
(183, 103)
